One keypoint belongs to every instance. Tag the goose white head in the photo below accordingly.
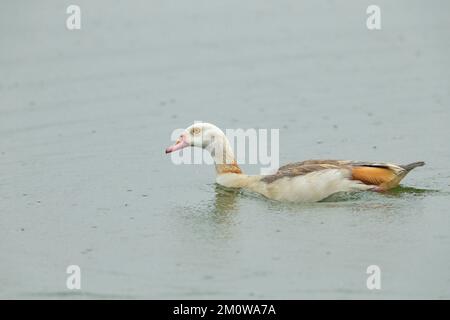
(206, 136)
(201, 135)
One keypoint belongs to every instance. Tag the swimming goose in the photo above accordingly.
(306, 181)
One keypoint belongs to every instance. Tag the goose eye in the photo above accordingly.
(195, 131)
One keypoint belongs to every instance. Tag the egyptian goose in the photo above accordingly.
(306, 181)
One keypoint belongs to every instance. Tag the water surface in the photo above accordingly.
(85, 117)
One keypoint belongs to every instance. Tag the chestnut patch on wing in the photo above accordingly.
(373, 175)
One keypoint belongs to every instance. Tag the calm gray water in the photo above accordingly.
(85, 117)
